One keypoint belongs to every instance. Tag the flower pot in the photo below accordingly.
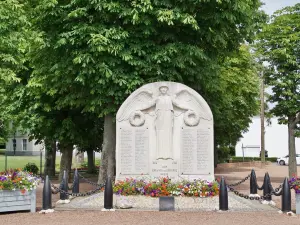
(17, 201)
(298, 203)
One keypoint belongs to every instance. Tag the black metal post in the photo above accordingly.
(75, 188)
(108, 194)
(223, 196)
(47, 197)
(286, 204)
(267, 187)
(64, 186)
(253, 183)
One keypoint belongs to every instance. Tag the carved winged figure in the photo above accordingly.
(182, 102)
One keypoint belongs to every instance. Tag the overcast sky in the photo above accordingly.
(272, 5)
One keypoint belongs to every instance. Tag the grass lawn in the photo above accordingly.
(19, 161)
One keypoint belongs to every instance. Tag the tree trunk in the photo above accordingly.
(108, 162)
(66, 160)
(292, 148)
(91, 163)
(50, 158)
(262, 121)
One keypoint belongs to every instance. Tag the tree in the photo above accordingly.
(94, 54)
(233, 99)
(279, 45)
(13, 36)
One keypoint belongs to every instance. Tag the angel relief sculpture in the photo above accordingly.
(165, 108)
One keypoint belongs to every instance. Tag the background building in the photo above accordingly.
(276, 140)
(23, 145)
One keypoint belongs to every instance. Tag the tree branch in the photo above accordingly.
(296, 120)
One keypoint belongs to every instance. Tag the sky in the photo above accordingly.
(276, 136)
(272, 5)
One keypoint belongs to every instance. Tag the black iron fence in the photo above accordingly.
(63, 190)
(284, 190)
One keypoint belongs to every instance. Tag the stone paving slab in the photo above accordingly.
(143, 203)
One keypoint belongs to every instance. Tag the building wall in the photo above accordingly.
(31, 147)
(276, 140)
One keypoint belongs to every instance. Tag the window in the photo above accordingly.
(24, 144)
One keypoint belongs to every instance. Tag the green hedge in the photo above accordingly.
(2, 151)
(249, 159)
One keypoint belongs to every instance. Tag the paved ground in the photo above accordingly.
(277, 174)
(158, 218)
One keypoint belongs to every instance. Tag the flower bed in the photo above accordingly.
(17, 190)
(295, 184)
(16, 179)
(165, 187)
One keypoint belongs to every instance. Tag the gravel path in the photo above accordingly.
(140, 218)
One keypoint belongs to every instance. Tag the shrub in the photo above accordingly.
(249, 159)
(32, 168)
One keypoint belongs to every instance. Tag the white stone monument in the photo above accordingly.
(165, 129)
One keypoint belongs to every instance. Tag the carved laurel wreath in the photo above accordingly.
(137, 122)
(191, 118)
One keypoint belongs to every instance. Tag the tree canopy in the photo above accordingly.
(82, 59)
(279, 45)
(94, 54)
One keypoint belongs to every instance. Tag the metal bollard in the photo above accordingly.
(267, 187)
(108, 194)
(253, 183)
(75, 188)
(223, 196)
(47, 194)
(286, 204)
(64, 186)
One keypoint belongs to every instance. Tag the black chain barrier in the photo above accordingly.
(87, 181)
(56, 190)
(284, 190)
(275, 192)
(81, 194)
(239, 182)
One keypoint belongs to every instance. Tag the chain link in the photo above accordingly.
(58, 190)
(240, 182)
(251, 198)
(89, 182)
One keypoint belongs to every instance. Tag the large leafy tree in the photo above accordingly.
(234, 99)
(279, 44)
(13, 36)
(91, 55)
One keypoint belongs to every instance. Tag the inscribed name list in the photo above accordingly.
(195, 151)
(134, 150)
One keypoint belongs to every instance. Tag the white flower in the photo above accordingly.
(20, 182)
(13, 189)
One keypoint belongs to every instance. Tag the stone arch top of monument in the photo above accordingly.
(182, 97)
(165, 129)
